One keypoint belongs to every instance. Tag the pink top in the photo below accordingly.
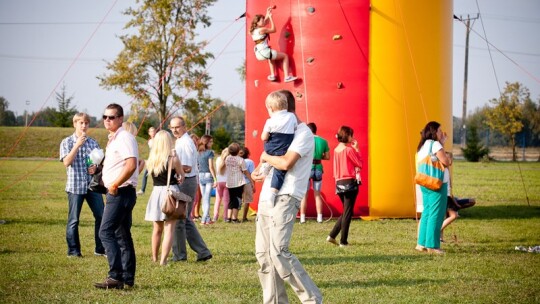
(345, 162)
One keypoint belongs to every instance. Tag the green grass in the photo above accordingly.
(44, 142)
(481, 265)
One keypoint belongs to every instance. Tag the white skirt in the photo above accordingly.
(153, 208)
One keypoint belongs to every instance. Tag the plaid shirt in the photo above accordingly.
(77, 173)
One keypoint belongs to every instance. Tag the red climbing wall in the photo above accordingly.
(327, 42)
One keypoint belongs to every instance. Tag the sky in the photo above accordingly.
(47, 44)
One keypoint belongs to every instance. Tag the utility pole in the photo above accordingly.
(464, 110)
(26, 113)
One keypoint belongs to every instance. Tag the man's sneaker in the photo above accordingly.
(100, 254)
(75, 255)
(140, 192)
(110, 283)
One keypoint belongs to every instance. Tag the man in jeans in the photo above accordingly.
(120, 177)
(275, 219)
(74, 152)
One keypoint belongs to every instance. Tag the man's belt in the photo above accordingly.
(316, 161)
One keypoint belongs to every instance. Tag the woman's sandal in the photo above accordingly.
(435, 251)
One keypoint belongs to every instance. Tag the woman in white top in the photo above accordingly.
(260, 34)
(434, 202)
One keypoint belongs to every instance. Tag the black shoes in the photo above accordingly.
(75, 255)
(111, 283)
(206, 258)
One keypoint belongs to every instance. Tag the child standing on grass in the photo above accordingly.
(236, 170)
(278, 133)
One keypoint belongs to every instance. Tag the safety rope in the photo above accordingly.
(500, 94)
(304, 80)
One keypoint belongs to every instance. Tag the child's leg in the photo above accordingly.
(272, 68)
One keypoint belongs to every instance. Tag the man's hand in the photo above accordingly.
(92, 169)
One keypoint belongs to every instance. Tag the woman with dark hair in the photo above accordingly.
(432, 139)
(207, 175)
(347, 166)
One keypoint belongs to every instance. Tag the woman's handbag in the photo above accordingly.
(346, 185)
(430, 173)
(175, 204)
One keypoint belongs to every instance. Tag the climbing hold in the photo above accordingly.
(254, 133)
(311, 9)
(256, 83)
(340, 85)
(287, 34)
(337, 37)
(310, 60)
(299, 95)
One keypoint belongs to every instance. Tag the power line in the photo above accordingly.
(508, 52)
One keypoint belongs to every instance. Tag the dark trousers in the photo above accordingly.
(235, 197)
(344, 220)
(115, 233)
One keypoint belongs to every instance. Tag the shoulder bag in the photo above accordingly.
(175, 204)
(429, 172)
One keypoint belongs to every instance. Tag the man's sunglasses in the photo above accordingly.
(109, 117)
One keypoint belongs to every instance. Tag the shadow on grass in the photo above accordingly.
(355, 284)
(500, 212)
(363, 259)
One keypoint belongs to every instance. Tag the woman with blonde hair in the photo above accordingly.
(157, 165)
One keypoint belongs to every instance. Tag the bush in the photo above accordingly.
(474, 150)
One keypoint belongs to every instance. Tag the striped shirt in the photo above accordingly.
(77, 173)
(235, 171)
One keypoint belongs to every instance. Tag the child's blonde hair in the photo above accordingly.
(159, 154)
(81, 116)
(276, 101)
(130, 127)
(221, 168)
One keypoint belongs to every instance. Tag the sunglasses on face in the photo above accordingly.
(105, 117)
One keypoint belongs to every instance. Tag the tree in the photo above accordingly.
(7, 117)
(161, 66)
(531, 119)
(474, 150)
(64, 116)
(506, 114)
(241, 70)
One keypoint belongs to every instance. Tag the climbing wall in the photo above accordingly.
(327, 43)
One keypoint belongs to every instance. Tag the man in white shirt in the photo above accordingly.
(186, 229)
(275, 220)
(120, 177)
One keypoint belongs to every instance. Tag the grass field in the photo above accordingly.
(380, 266)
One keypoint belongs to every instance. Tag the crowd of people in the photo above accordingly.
(290, 163)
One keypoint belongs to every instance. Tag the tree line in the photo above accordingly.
(511, 120)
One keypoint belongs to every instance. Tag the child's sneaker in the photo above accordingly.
(265, 169)
(271, 77)
(290, 78)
